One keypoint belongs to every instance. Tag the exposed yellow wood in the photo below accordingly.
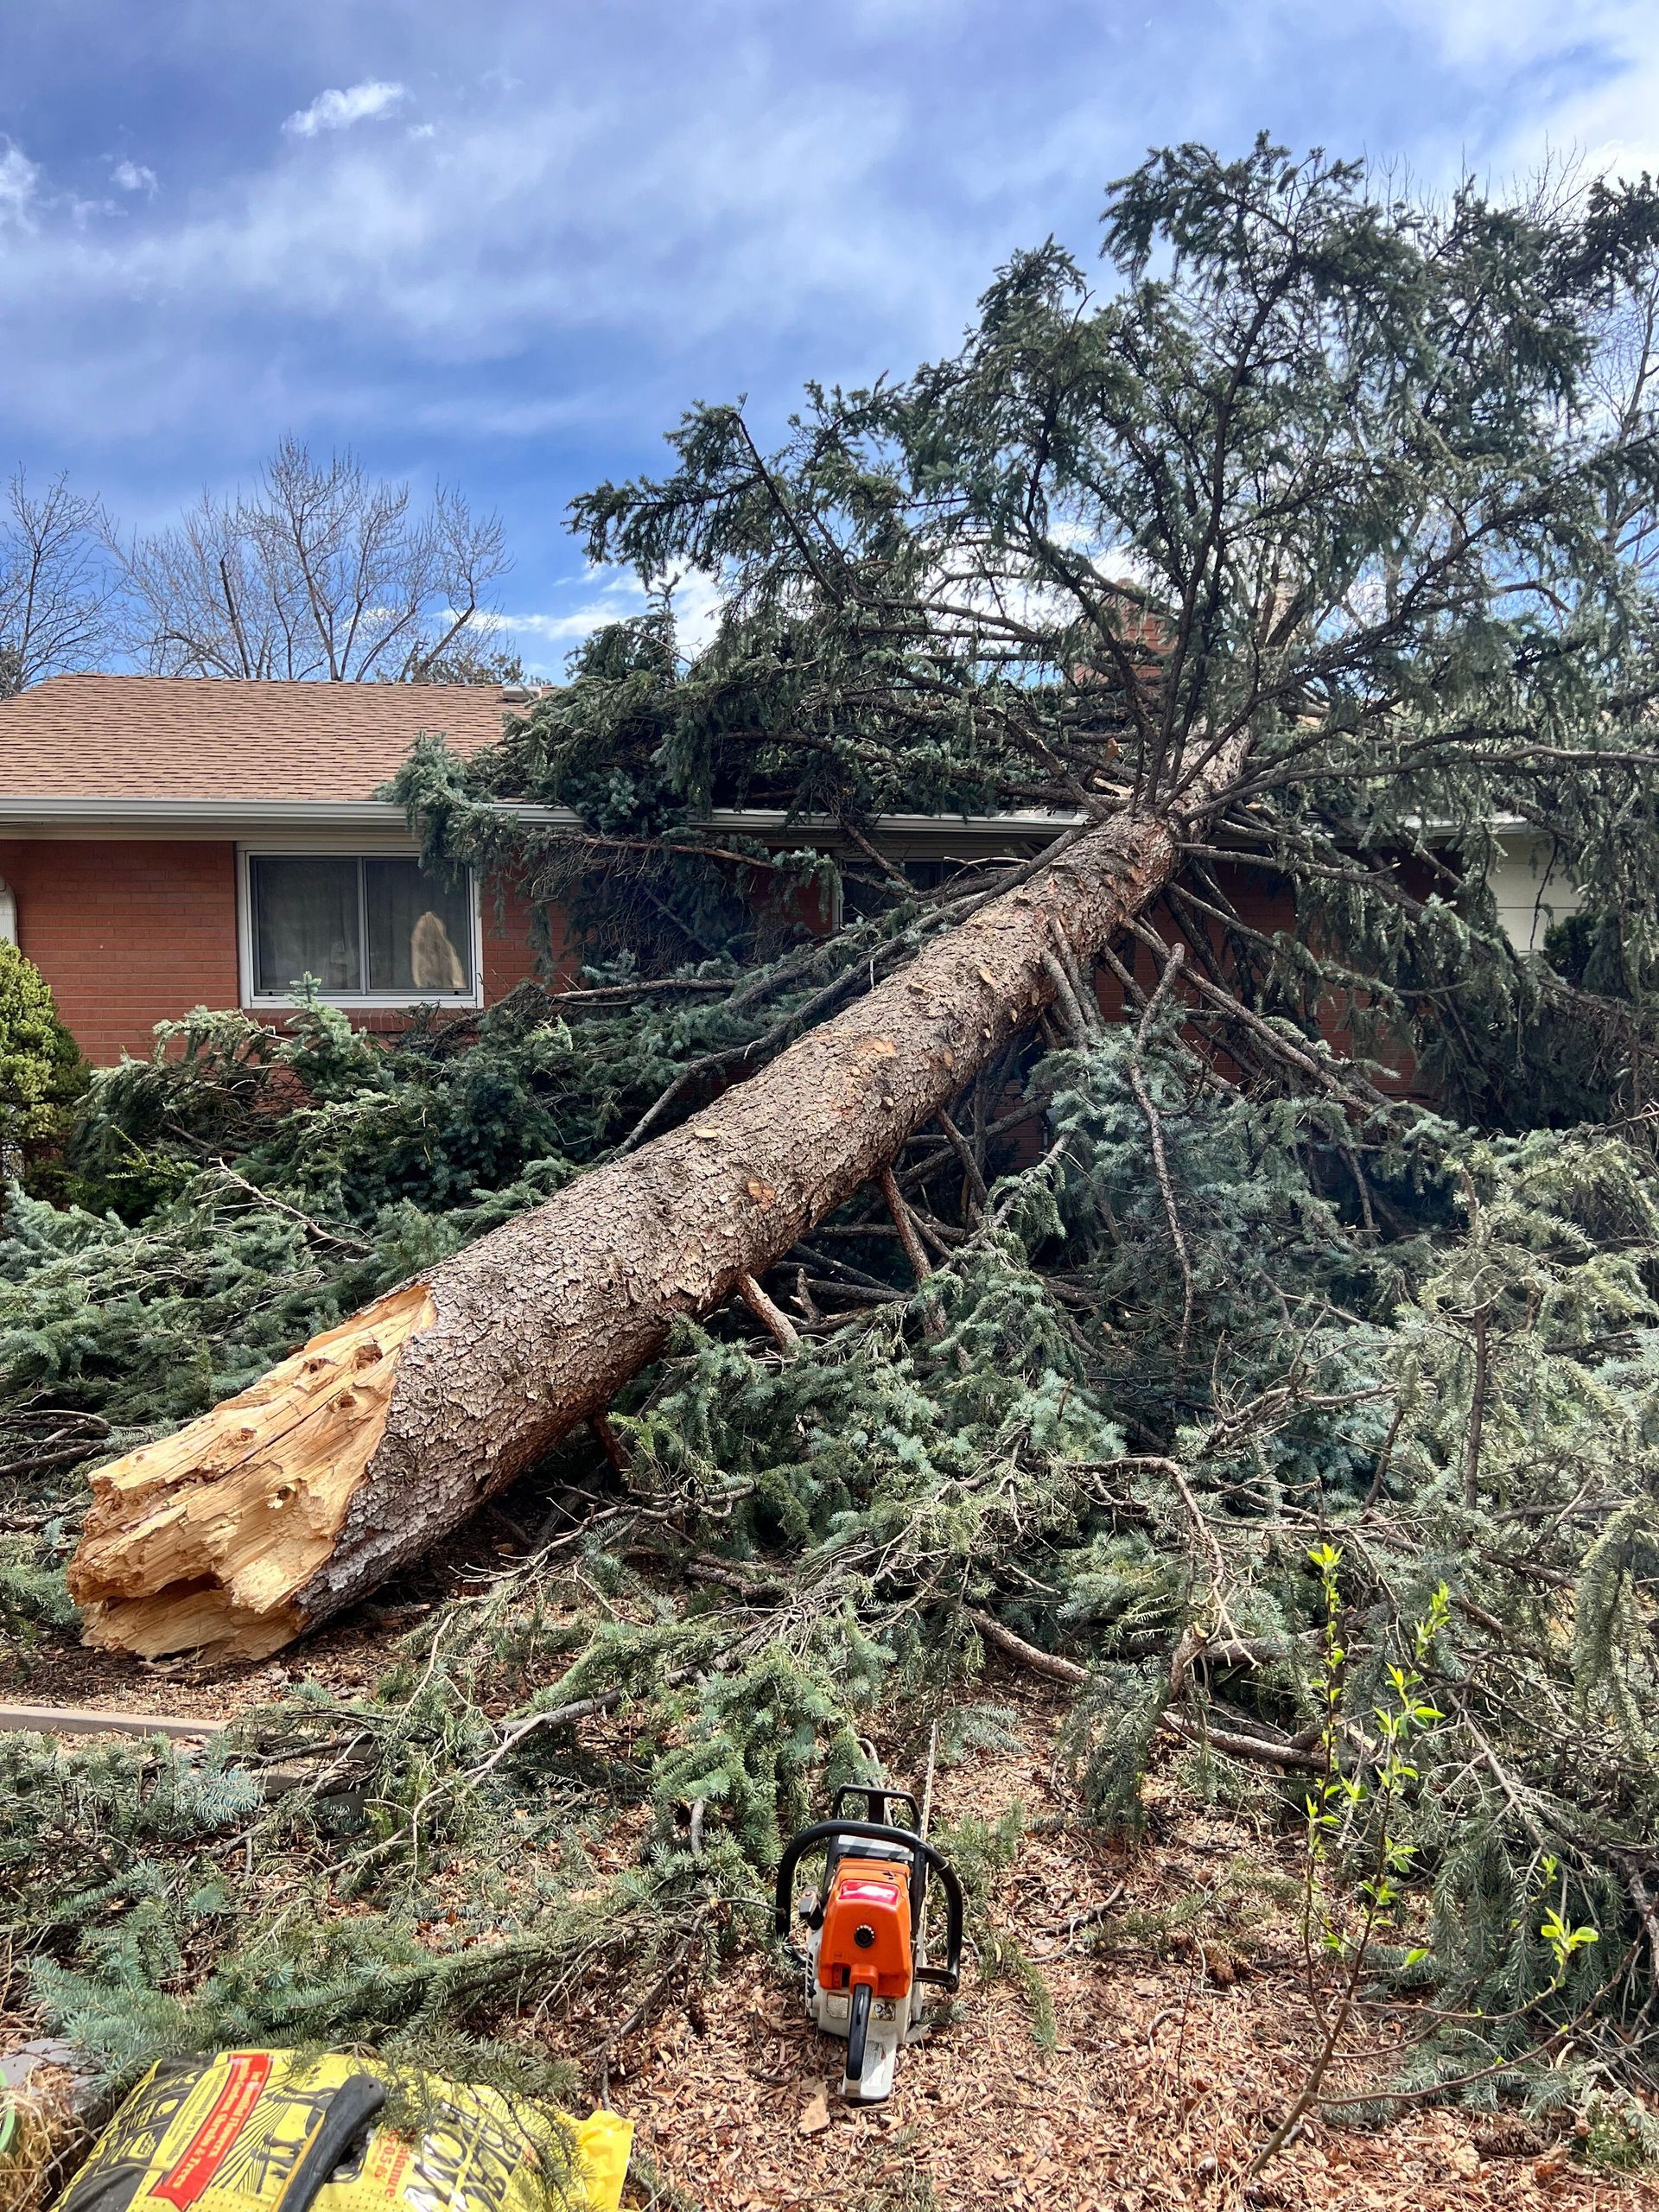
(206, 1538)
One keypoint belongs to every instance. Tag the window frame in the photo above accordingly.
(358, 848)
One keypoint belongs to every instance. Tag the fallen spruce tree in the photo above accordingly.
(300, 1495)
(873, 635)
(1313, 558)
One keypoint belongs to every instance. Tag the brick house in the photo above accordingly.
(173, 841)
(168, 842)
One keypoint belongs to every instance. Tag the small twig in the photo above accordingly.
(1202, 1529)
(600, 2056)
(734, 1055)
(770, 1315)
(894, 875)
(609, 1443)
(1082, 987)
(605, 995)
(1239, 1747)
(558, 1716)
(1480, 1329)
(278, 1205)
(831, 1265)
(939, 1234)
(927, 1787)
(1531, 1568)
(1133, 994)
(704, 1567)
(1067, 998)
(1644, 1904)
(973, 1181)
(1220, 1651)
(1383, 1458)
(1015, 1647)
(921, 1266)
(867, 1297)
(1160, 1161)
(1091, 1918)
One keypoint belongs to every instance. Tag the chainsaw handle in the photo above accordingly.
(949, 1976)
(928, 1862)
(877, 1800)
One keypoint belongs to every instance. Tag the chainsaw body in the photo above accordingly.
(864, 1962)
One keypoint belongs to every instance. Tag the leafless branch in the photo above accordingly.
(55, 585)
(319, 571)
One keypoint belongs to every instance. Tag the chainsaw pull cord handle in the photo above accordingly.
(928, 1862)
(858, 2029)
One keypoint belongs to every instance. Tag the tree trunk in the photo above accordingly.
(291, 1501)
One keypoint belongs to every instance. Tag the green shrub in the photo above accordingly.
(41, 1071)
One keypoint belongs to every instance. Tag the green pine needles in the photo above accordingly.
(1292, 1421)
(1236, 1542)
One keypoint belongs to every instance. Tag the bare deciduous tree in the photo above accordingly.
(55, 587)
(320, 572)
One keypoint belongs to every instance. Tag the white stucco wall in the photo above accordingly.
(1530, 888)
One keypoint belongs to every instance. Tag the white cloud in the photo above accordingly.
(134, 176)
(19, 179)
(1480, 34)
(470, 245)
(640, 232)
(612, 595)
(1543, 81)
(338, 110)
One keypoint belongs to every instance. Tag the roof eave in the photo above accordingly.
(43, 815)
(46, 816)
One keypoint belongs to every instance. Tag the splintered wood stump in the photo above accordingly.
(291, 1501)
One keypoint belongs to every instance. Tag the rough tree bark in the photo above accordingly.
(288, 1502)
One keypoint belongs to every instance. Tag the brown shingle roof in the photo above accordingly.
(190, 737)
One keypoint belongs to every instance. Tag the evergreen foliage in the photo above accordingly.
(1326, 475)
(796, 1543)
(42, 1072)
(1348, 479)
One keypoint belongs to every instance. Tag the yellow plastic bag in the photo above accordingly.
(270, 2131)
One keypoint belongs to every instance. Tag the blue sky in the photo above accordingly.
(504, 242)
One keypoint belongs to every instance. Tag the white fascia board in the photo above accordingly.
(774, 820)
(1437, 832)
(45, 815)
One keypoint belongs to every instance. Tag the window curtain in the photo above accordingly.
(306, 922)
(383, 928)
(420, 931)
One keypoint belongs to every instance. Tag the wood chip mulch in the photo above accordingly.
(1181, 2031)
(1173, 2056)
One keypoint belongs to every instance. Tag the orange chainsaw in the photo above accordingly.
(865, 1961)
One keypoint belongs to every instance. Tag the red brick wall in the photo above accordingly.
(127, 933)
(131, 932)
(509, 953)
